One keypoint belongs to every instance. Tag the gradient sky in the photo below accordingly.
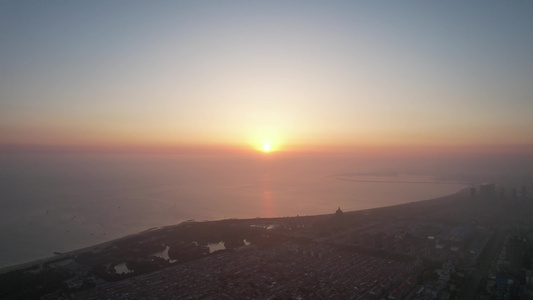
(300, 74)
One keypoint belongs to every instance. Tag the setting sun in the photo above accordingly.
(266, 145)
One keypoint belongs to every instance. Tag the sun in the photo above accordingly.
(266, 146)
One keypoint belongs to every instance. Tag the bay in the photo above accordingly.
(58, 202)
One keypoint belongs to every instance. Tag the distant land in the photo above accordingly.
(469, 244)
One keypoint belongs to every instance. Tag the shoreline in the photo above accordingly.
(66, 255)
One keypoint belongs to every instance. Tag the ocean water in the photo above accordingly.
(58, 202)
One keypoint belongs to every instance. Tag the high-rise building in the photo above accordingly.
(487, 191)
(502, 194)
(513, 194)
(473, 192)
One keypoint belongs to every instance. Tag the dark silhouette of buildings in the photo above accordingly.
(487, 191)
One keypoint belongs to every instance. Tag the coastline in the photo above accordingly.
(415, 205)
(64, 255)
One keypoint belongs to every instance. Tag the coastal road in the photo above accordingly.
(489, 255)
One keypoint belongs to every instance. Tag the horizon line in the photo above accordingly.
(246, 149)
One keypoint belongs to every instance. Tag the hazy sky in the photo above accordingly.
(300, 74)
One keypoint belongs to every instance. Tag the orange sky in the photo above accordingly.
(308, 78)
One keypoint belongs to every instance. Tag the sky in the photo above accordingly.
(296, 75)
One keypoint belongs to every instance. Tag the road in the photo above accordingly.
(489, 255)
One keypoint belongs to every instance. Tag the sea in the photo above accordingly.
(61, 201)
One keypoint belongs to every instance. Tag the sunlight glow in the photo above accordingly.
(266, 143)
